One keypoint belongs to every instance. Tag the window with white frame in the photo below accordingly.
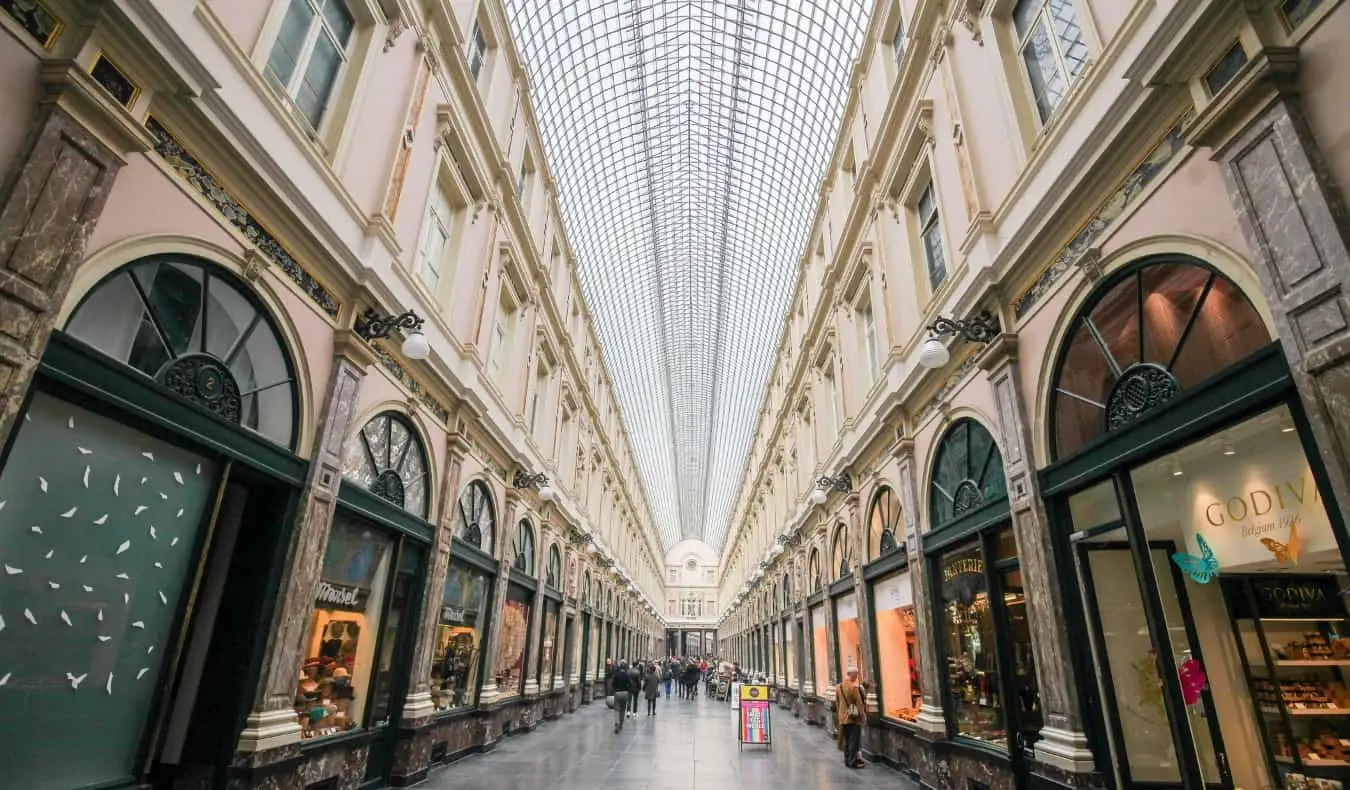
(1051, 46)
(539, 395)
(523, 179)
(312, 48)
(436, 234)
(477, 53)
(898, 37)
(503, 333)
(867, 327)
(930, 231)
(831, 394)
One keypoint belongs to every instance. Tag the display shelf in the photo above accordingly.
(1314, 763)
(1312, 663)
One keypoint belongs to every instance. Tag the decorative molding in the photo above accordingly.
(1121, 199)
(215, 193)
(968, 14)
(939, 398)
(406, 378)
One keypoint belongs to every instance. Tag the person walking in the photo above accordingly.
(651, 686)
(850, 705)
(621, 685)
(635, 679)
(667, 675)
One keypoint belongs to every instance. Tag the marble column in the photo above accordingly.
(55, 189)
(419, 705)
(535, 640)
(831, 632)
(1294, 219)
(272, 723)
(490, 691)
(931, 717)
(1063, 743)
(862, 593)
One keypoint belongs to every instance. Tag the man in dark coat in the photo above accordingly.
(622, 684)
(651, 688)
(635, 678)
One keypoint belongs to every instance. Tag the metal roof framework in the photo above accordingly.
(688, 139)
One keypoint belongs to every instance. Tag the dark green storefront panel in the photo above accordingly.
(99, 537)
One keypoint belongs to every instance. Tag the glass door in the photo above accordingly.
(394, 652)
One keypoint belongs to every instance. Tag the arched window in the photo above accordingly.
(386, 458)
(1143, 336)
(553, 570)
(522, 548)
(967, 473)
(813, 577)
(773, 597)
(840, 562)
(787, 591)
(201, 333)
(475, 520)
(586, 588)
(883, 522)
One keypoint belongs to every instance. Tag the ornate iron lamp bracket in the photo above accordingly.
(980, 328)
(522, 480)
(370, 325)
(841, 482)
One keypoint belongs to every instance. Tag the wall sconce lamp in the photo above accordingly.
(539, 481)
(980, 328)
(370, 326)
(841, 483)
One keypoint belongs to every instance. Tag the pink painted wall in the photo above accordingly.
(383, 110)
(1193, 200)
(19, 87)
(243, 19)
(1108, 14)
(1326, 61)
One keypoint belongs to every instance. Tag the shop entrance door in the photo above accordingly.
(1161, 735)
(394, 652)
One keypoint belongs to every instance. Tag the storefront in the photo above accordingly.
(1211, 559)
(550, 637)
(148, 491)
(844, 601)
(893, 618)
(466, 604)
(985, 656)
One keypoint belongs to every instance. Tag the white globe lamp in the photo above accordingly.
(546, 493)
(933, 354)
(818, 496)
(415, 346)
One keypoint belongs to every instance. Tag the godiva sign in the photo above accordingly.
(1263, 508)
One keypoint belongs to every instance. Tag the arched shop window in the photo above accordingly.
(553, 571)
(813, 577)
(199, 332)
(840, 562)
(586, 588)
(386, 458)
(787, 591)
(475, 520)
(522, 548)
(883, 522)
(967, 473)
(1145, 336)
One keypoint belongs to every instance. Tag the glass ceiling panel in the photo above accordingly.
(688, 141)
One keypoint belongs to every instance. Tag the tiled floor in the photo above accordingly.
(687, 746)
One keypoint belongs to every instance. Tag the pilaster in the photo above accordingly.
(1062, 743)
(490, 691)
(535, 640)
(931, 717)
(272, 723)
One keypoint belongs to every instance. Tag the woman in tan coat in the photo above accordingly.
(850, 708)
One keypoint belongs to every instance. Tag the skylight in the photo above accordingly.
(688, 141)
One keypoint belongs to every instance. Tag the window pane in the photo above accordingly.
(320, 74)
(849, 635)
(510, 665)
(261, 369)
(290, 41)
(1072, 48)
(1024, 15)
(926, 207)
(937, 260)
(113, 320)
(338, 21)
(340, 653)
(459, 638)
(386, 677)
(976, 703)
(1047, 84)
(1025, 687)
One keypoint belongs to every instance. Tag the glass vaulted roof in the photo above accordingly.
(688, 139)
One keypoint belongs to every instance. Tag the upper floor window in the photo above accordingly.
(311, 50)
(898, 38)
(477, 53)
(435, 238)
(503, 332)
(867, 325)
(1052, 49)
(930, 227)
(540, 393)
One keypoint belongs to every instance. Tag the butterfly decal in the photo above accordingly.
(1285, 553)
(1201, 569)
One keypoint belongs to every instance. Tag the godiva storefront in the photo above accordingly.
(1210, 560)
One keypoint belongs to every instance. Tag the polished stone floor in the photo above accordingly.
(686, 746)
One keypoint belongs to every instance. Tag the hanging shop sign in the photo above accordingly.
(754, 715)
(348, 598)
(1287, 597)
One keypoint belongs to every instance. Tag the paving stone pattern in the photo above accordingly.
(686, 746)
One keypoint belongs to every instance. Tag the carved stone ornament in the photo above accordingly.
(1090, 264)
(969, 17)
(202, 379)
(397, 26)
(1140, 389)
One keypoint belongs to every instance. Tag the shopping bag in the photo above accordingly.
(609, 702)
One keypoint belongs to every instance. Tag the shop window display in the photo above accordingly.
(386, 686)
(509, 669)
(547, 644)
(459, 638)
(897, 646)
(330, 695)
(820, 649)
(790, 655)
(849, 635)
(975, 702)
